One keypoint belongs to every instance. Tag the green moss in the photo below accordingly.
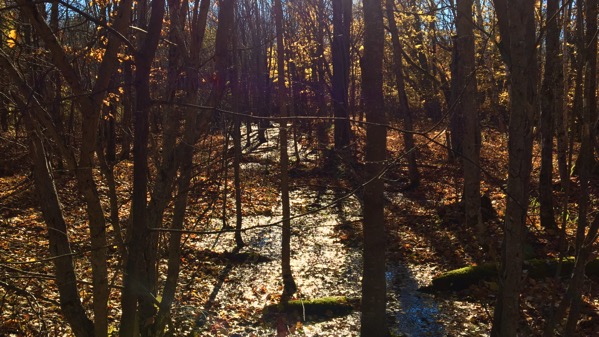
(315, 309)
(463, 278)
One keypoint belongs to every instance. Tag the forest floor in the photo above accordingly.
(223, 291)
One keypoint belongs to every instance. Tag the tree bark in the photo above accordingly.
(517, 29)
(551, 108)
(340, 55)
(182, 153)
(139, 268)
(373, 321)
(467, 107)
(289, 287)
(66, 280)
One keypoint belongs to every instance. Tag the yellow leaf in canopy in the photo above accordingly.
(12, 38)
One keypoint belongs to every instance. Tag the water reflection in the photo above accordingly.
(415, 314)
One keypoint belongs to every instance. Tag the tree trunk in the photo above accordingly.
(562, 121)
(517, 29)
(235, 92)
(183, 152)
(66, 280)
(374, 321)
(404, 107)
(551, 108)
(90, 107)
(585, 237)
(139, 267)
(340, 54)
(467, 107)
(320, 86)
(289, 287)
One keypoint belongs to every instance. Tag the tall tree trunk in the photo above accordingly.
(235, 92)
(456, 117)
(517, 30)
(320, 86)
(139, 268)
(340, 54)
(66, 280)
(259, 58)
(551, 108)
(194, 126)
(374, 321)
(467, 107)
(404, 107)
(585, 236)
(562, 121)
(289, 287)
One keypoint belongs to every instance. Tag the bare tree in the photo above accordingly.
(374, 322)
(342, 15)
(516, 19)
(466, 107)
(404, 107)
(551, 109)
(289, 287)
(89, 105)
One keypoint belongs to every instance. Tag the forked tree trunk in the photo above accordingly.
(90, 108)
(66, 280)
(139, 276)
(195, 125)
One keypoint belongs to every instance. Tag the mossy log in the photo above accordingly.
(315, 309)
(460, 279)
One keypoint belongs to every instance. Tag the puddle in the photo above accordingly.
(416, 314)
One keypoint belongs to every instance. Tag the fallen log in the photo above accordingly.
(462, 278)
(315, 309)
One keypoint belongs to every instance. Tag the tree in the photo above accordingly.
(586, 234)
(517, 30)
(374, 321)
(551, 109)
(89, 105)
(342, 15)
(404, 106)
(137, 302)
(424, 40)
(466, 108)
(289, 287)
